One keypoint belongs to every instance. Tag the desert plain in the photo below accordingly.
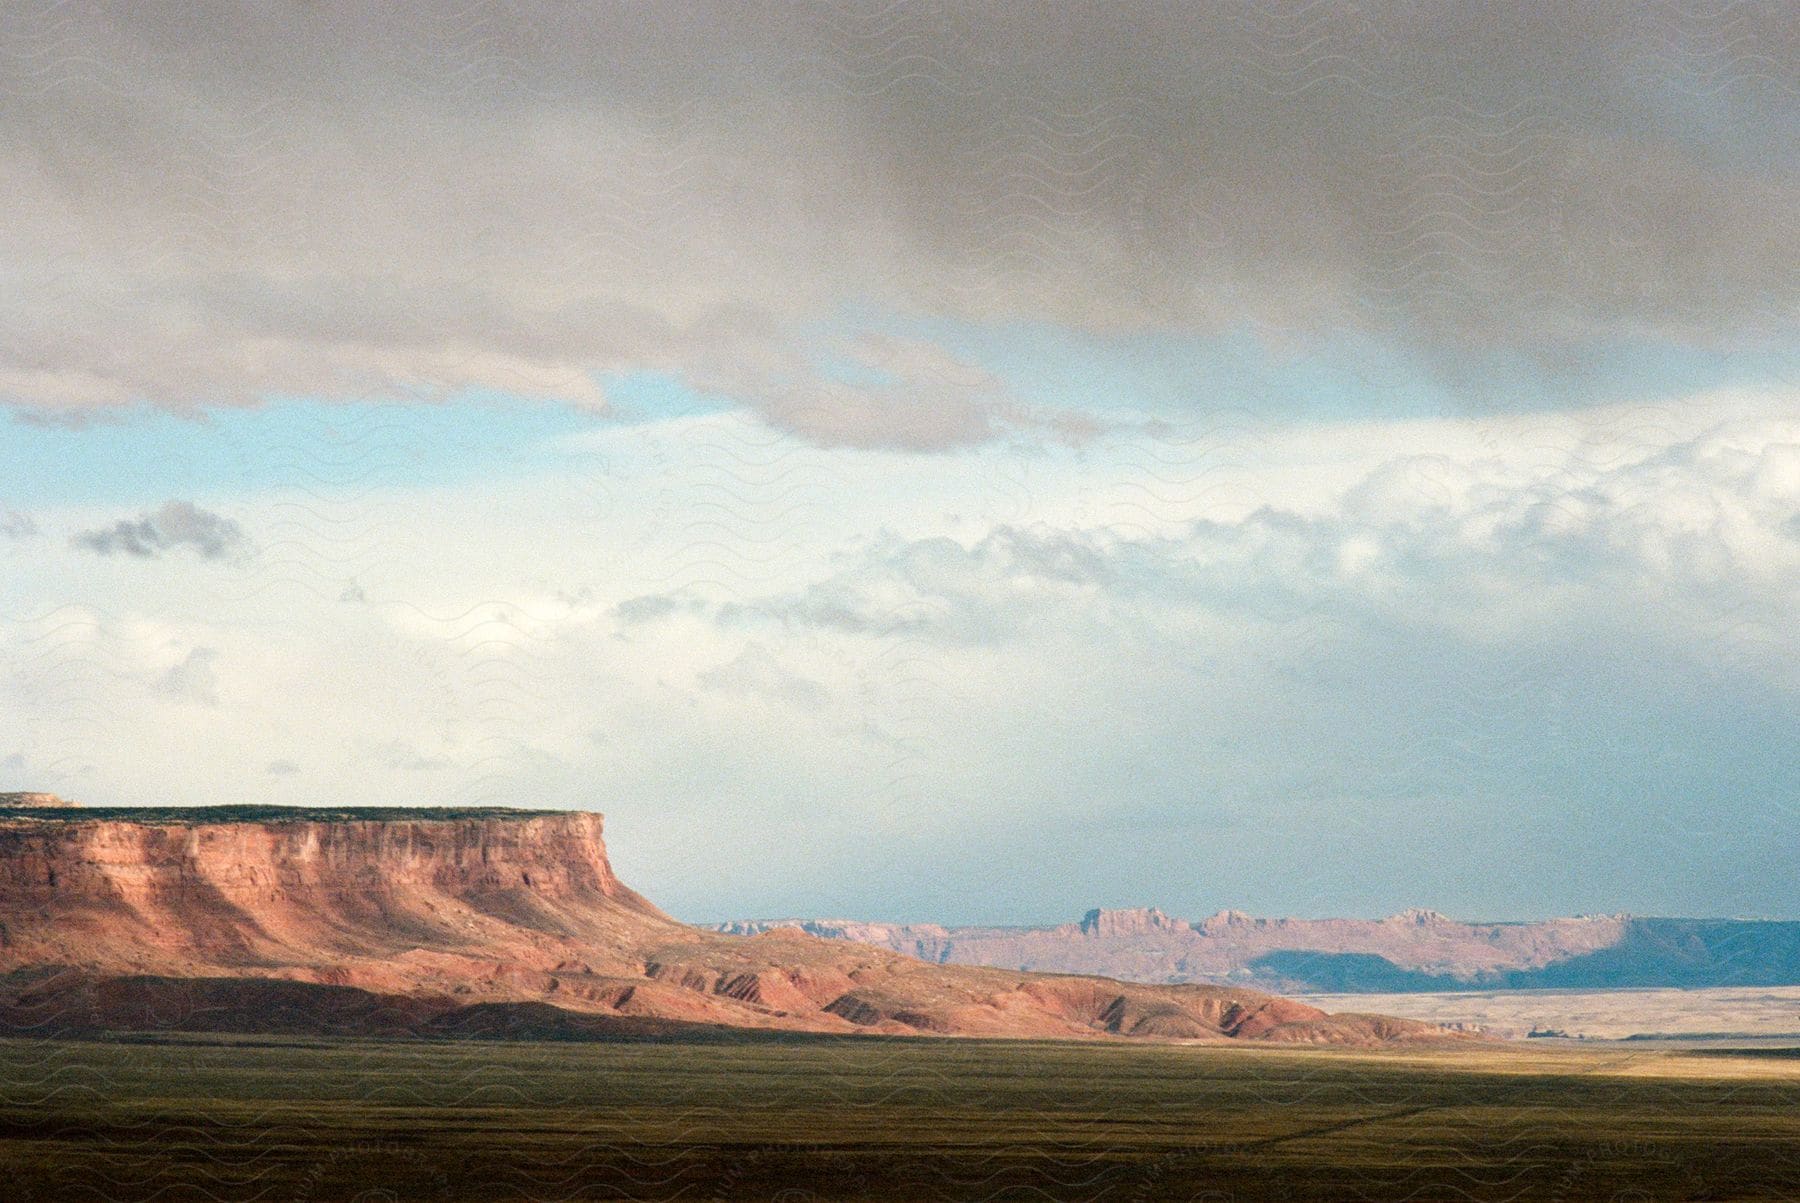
(808, 1117)
(1708, 1013)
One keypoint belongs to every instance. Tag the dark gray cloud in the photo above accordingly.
(208, 204)
(15, 525)
(177, 525)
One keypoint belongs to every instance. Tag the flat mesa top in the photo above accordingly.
(189, 815)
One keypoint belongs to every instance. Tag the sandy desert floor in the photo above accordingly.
(1761, 1011)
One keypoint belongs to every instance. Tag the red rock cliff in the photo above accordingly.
(105, 890)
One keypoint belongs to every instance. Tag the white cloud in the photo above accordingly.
(1482, 544)
(1565, 626)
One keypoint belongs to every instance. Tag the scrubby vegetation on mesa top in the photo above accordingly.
(190, 815)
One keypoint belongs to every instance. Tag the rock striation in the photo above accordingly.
(490, 922)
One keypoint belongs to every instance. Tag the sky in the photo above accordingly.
(960, 463)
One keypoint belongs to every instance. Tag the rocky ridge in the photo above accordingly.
(1415, 950)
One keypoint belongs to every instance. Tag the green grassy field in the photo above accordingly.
(880, 1119)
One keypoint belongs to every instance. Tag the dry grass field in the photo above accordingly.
(819, 1118)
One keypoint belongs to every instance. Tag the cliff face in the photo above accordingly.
(490, 922)
(173, 891)
(253, 864)
(1136, 921)
(558, 857)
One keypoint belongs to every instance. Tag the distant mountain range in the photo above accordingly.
(1413, 951)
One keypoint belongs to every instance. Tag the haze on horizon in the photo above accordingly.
(925, 462)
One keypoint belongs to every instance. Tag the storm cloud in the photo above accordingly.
(214, 204)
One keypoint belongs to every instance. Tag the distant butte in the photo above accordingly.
(18, 800)
(494, 922)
